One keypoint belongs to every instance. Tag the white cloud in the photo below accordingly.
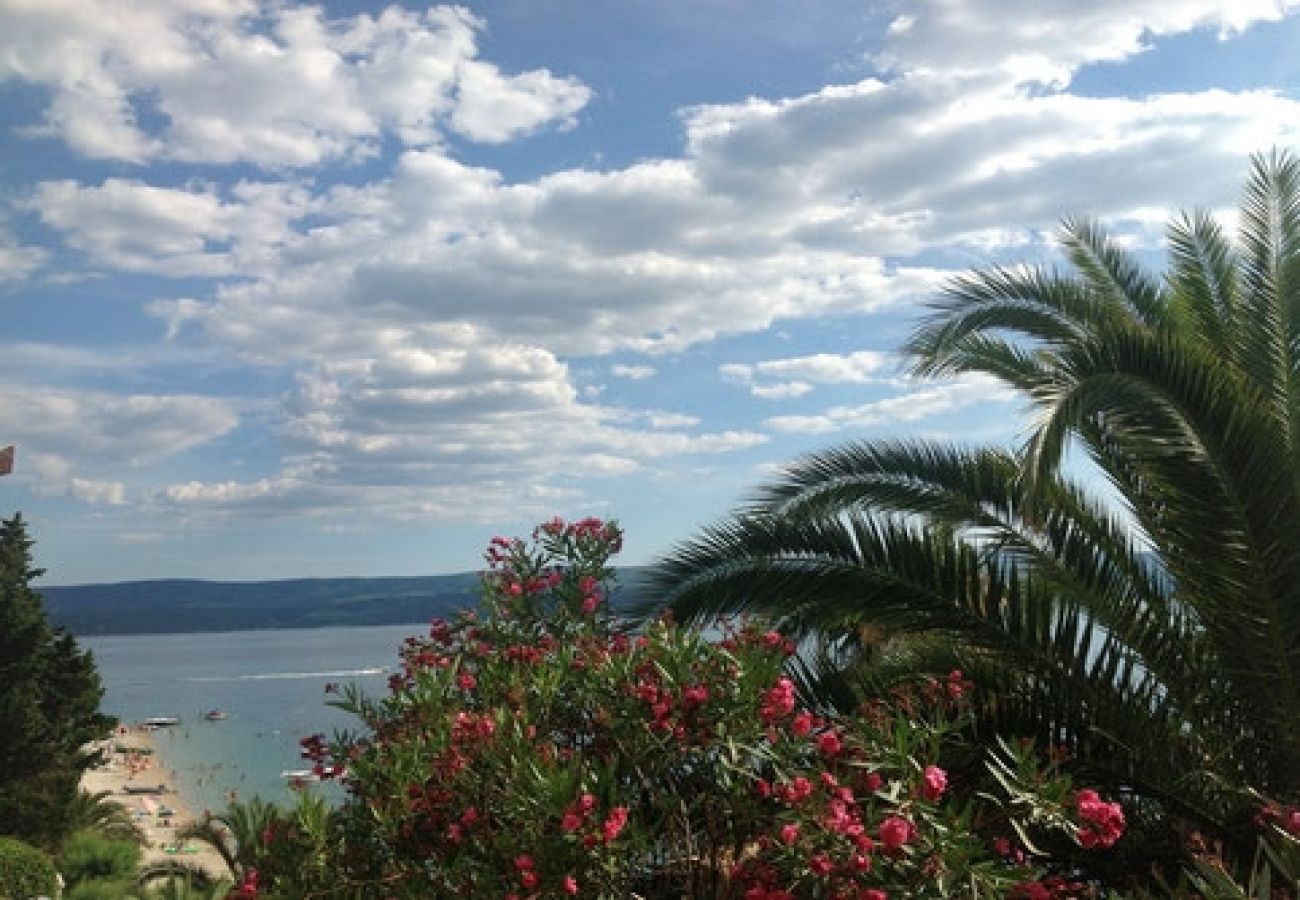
(671, 420)
(17, 260)
(1048, 40)
(309, 89)
(492, 108)
(784, 379)
(97, 492)
(428, 306)
(636, 373)
(69, 439)
(109, 429)
(782, 390)
(417, 428)
(912, 406)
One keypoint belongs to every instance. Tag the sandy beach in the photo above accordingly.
(159, 815)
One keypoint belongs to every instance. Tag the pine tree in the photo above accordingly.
(49, 703)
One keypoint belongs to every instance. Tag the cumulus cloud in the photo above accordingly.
(429, 307)
(1033, 40)
(306, 89)
(416, 429)
(68, 439)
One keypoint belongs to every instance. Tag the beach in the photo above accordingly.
(132, 760)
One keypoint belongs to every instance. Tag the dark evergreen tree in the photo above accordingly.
(49, 703)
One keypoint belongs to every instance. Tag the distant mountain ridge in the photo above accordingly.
(180, 605)
(177, 605)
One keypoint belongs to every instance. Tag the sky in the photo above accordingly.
(295, 290)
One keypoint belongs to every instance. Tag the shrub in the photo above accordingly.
(541, 750)
(25, 871)
(103, 890)
(88, 856)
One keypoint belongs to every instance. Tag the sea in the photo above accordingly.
(270, 685)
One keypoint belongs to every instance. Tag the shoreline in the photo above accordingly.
(159, 815)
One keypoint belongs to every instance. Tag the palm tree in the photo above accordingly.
(109, 818)
(173, 880)
(1156, 636)
(238, 834)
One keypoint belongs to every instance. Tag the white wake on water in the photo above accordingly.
(274, 676)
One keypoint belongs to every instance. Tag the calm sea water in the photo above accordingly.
(269, 683)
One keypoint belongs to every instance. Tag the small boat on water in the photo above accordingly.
(299, 775)
(214, 715)
(160, 721)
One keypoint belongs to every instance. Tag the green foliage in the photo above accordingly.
(174, 880)
(103, 890)
(269, 845)
(49, 704)
(1274, 871)
(109, 818)
(25, 871)
(541, 751)
(88, 856)
(1158, 641)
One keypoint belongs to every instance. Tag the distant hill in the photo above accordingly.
(150, 607)
(177, 605)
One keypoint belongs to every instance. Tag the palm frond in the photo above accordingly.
(1112, 274)
(1203, 282)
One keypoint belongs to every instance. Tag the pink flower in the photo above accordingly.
(821, 865)
(589, 603)
(570, 885)
(936, 782)
(829, 743)
(614, 823)
(896, 831)
(528, 878)
(467, 681)
(789, 834)
(873, 894)
(694, 696)
(571, 821)
(1104, 821)
(523, 862)
(801, 724)
(1291, 822)
(778, 702)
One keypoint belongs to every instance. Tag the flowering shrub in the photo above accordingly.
(540, 750)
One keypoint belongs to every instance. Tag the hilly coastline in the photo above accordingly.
(183, 605)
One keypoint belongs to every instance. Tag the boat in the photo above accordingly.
(144, 789)
(160, 721)
(299, 775)
(214, 715)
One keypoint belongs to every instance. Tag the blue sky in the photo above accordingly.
(298, 290)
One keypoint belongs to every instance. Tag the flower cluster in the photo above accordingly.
(540, 749)
(1103, 823)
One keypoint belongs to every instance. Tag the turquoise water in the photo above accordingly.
(269, 683)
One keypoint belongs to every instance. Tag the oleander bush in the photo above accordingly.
(538, 749)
